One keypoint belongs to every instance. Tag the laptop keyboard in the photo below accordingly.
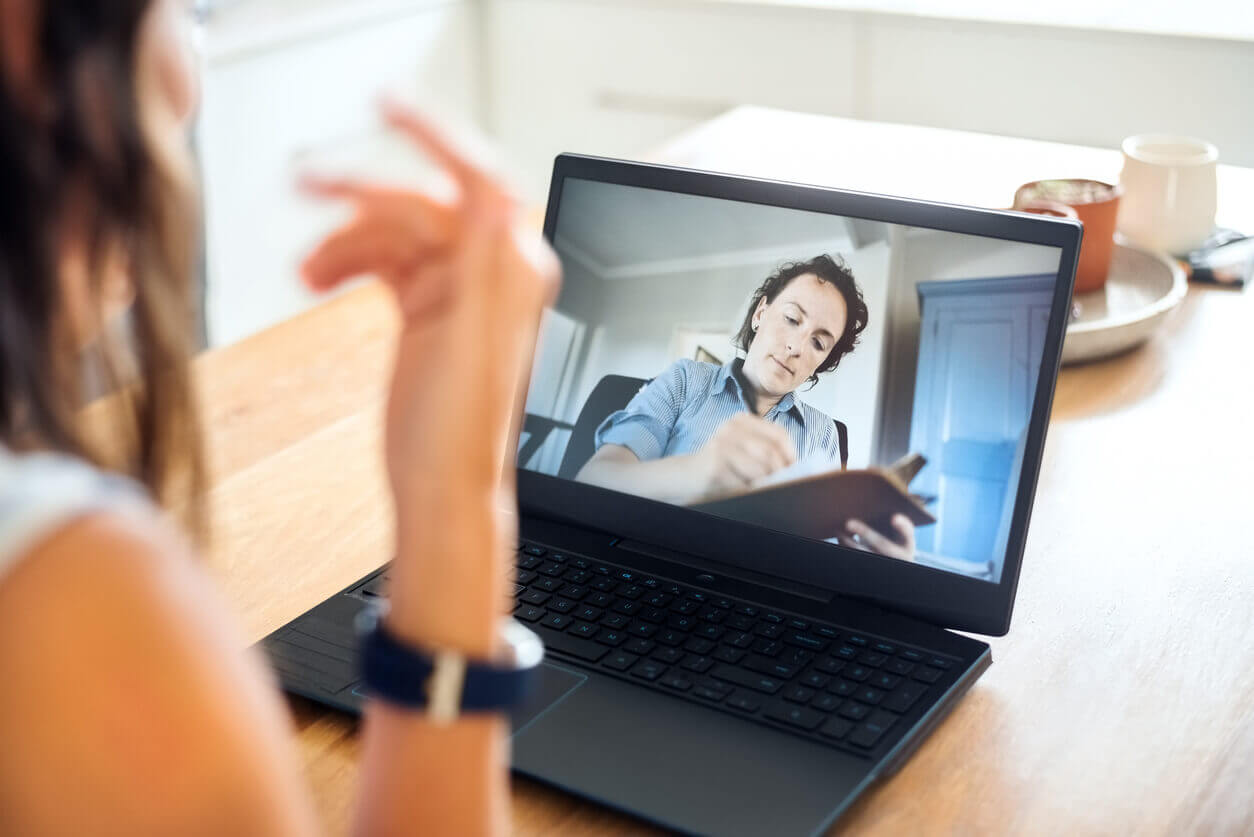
(844, 688)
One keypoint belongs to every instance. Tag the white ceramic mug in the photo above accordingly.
(1168, 191)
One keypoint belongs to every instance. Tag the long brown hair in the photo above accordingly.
(74, 164)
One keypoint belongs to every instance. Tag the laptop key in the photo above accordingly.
(816, 679)
(870, 695)
(799, 624)
(765, 665)
(836, 728)
(846, 652)
(615, 621)
(676, 681)
(639, 646)
(590, 614)
(884, 648)
(927, 674)
(740, 623)
(551, 568)
(620, 660)
(866, 734)
(911, 655)
(854, 711)
(797, 716)
(642, 629)
(900, 667)
(653, 614)
(939, 662)
(768, 647)
(584, 629)
(711, 631)
(648, 670)
(728, 655)
(548, 585)
(860, 641)
(749, 680)
(530, 562)
(825, 631)
(825, 702)
(627, 607)
(905, 697)
(574, 591)
(799, 694)
(562, 605)
(584, 649)
(686, 607)
(610, 637)
(708, 693)
(843, 687)
(671, 637)
(858, 673)
(667, 654)
(528, 613)
(829, 665)
(870, 658)
(694, 662)
(532, 549)
(556, 621)
(795, 656)
(712, 614)
(578, 576)
(770, 631)
(697, 645)
(744, 702)
(534, 597)
(526, 577)
(739, 639)
(883, 680)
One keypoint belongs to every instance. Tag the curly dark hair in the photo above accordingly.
(831, 270)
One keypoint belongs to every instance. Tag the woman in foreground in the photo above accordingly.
(130, 704)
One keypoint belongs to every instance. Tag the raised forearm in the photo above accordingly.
(446, 590)
(672, 479)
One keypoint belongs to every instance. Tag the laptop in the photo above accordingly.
(753, 665)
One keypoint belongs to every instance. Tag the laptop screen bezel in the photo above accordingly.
(942, 598)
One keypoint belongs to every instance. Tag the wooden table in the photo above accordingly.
(1123, 698)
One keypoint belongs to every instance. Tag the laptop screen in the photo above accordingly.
(850, 381)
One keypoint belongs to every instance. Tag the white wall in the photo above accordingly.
(617, 77)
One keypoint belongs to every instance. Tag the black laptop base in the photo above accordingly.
(838, 693)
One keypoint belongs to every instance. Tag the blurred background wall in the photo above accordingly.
(291, 84)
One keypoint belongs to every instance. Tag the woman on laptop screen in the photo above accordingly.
(699, 431)
(134, 707)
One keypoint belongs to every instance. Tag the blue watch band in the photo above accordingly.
(404, 675)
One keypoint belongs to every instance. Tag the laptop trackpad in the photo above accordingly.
(555, 683)
(684, 765)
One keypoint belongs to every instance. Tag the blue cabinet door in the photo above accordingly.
(979, 360)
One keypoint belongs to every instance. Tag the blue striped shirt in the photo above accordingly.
(679, 410)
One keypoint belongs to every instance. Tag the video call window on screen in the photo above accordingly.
(841, 379)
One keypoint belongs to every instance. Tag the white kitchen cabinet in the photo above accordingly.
(302, 95)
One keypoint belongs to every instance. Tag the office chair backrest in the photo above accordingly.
(611, 393)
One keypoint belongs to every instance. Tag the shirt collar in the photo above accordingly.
(727, 378)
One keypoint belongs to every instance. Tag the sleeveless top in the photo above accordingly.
(42, 492)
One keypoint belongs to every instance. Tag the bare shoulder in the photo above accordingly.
(126, 676)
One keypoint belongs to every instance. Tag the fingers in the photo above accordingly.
(878, 542)
(366, 246)
(464, 166)
(773, 436)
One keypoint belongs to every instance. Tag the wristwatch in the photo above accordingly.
(443, 681)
